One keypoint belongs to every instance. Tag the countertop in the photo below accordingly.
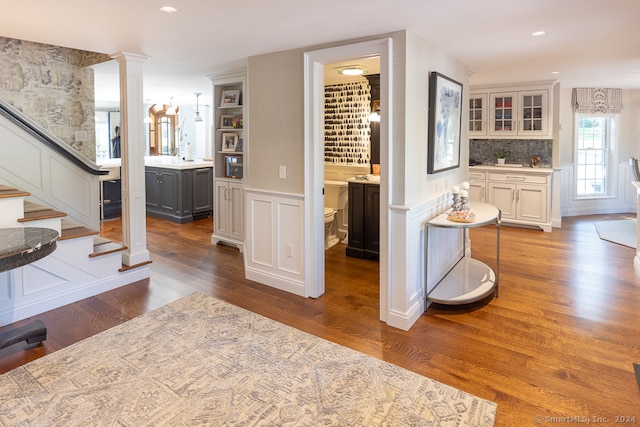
(512, 169)
(368, 179)
(169, 162)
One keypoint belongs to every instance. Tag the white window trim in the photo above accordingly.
(612, 156)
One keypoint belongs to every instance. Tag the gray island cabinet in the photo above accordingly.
(179, 191)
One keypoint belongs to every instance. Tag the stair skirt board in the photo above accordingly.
(83, 264)
(57, 290)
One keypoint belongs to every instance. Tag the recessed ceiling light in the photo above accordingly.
(168, 9)
(352, 71)
(538, 33)
(555, 72)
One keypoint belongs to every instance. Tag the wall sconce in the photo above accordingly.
(375, 111)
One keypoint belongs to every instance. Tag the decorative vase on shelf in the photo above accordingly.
(501, 161)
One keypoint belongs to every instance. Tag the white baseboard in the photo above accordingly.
(29, 308)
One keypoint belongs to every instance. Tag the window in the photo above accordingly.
(595, 142)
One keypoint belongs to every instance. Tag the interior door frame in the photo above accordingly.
(314, 62)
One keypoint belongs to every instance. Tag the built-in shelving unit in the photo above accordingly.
(230, 145)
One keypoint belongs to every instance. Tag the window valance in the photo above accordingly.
(597, 100)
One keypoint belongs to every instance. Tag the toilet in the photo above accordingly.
(335, 204)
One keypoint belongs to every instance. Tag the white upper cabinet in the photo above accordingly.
(517, 113)
(478, 114)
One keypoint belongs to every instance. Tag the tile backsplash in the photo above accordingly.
(521, 151)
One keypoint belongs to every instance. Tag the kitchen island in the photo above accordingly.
(176, 189)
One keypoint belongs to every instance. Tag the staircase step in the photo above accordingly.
(8, 191)
(131, 267)
(72, 230)
(35, 212)
(102, 246)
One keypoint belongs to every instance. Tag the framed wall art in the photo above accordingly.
(445, 121)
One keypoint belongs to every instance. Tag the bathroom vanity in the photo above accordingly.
(364, 218)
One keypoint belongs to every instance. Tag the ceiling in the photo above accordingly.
(588, 43)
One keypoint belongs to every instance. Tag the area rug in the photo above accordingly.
(622, 231)
(201, 361)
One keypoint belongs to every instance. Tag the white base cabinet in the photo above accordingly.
(523, 196)
(228, 217)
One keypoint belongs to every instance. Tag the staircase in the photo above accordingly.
(83, 264)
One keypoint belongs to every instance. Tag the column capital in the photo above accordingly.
(126, 56)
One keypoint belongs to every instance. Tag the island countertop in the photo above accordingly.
(169, 162)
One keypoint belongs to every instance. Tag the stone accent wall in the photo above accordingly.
(53, 86)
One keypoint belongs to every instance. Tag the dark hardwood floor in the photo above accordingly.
(558, 343)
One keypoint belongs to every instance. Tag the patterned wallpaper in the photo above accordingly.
(54, 87)
(346, 124)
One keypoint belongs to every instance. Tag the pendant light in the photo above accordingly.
(171, 111)
(198, 117)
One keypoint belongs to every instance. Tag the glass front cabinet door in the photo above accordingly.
(477, 115)
(502, 114)
(522, 114)
(533, 110)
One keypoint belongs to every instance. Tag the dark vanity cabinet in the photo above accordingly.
(364, 220)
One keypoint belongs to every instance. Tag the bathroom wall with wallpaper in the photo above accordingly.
(54, 86)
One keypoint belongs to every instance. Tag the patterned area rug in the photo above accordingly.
(201, 361)
(622, 231)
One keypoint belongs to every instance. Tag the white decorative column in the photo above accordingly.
(132, 148)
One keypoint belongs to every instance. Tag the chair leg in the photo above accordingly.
(32, 333)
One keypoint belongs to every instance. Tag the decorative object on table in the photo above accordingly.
(535, 161)
(502, 156)
(460, 210)
(445, 120)
(455, 192)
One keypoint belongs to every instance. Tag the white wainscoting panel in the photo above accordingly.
(274, 240)
(16, 147)
(413, 262)
(290, 252)
(262, 232)
(70, 186)
(623, 199)
(50, 178)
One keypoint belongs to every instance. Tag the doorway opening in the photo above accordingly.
(351, 149)
(315, 63)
